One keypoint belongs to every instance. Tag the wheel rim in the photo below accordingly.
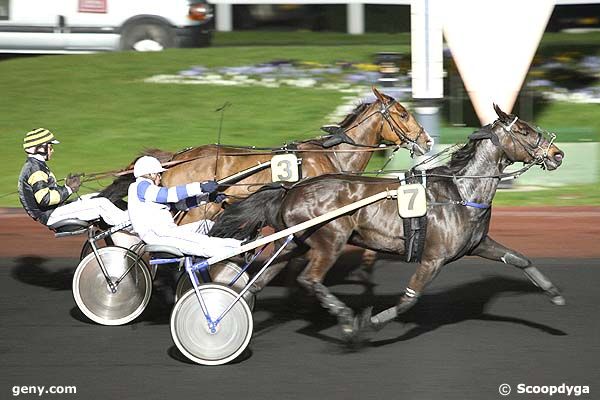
(223, 273)
(192, 336)
(120, 239)
(92, 293)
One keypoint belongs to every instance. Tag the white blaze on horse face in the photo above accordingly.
(429, 143)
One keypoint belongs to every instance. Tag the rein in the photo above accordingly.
(168, 164)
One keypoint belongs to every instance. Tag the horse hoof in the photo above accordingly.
(346, 321)
(361, 328)
(558, 300)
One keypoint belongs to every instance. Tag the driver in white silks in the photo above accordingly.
(149, 211)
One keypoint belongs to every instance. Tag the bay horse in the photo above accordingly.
(459, 197)
(385, 119)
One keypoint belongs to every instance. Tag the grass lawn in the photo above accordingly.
(104, 114)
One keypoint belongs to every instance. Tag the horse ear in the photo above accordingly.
(501, 114)
(379, 96)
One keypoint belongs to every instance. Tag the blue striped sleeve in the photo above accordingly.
(146, 191)
(163, 195)
(149, 192)
(141, 190)
(181, 192)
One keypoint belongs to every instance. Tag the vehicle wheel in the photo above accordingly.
(119, 239)
(222, 273)
(93, 295)
(147, 36)
(191, 333)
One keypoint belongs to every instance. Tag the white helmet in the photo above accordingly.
(147, 165)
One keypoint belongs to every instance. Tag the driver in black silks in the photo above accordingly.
(45, 200)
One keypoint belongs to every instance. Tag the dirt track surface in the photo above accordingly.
(534, 231)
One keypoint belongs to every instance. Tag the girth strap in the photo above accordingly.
(415, 229)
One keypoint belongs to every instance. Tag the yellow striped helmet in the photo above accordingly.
(37, 137)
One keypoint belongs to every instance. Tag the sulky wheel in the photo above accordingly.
(223, 273)
(192, 335)
(120, 239)
(93, 295)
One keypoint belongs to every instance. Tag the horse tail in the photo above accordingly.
(244, 219)
(117, 190)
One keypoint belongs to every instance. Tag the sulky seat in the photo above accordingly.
(70, 227)
(162, 250)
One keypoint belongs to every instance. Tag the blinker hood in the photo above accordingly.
(485, 134)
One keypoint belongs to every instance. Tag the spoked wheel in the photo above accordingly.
(223, 273)
(192, 335)
(120, 239)
(94, 296)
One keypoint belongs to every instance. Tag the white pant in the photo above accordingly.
(192, 239)
(88, 209)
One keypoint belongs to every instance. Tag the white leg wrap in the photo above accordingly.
(537, 278)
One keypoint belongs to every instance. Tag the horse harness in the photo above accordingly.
(415, 229)
(384, 110)
(486, 133)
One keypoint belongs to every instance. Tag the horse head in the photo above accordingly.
(399, 126)
(521, 142)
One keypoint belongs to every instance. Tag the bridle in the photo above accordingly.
(384, 110)
(530, 149)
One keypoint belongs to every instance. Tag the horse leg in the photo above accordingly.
(425, 273)
(311, 279)
(492, 250)
(367, 267)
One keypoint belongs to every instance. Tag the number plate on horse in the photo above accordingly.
(284, 168)
(412, 201)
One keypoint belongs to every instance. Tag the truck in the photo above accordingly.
(85, 26)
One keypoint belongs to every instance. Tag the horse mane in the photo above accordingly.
(460, 159)
(350, 118)
(345, 124)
